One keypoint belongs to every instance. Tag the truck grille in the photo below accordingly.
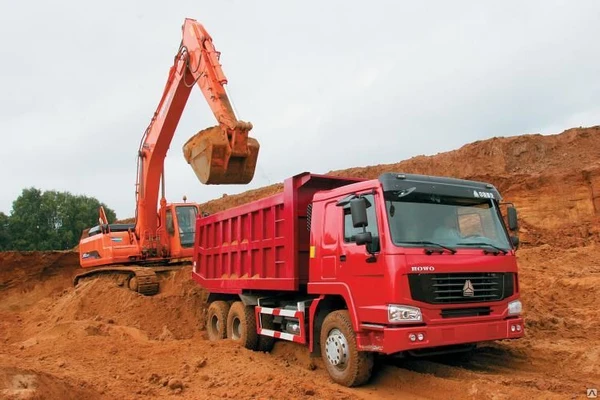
(461, 287)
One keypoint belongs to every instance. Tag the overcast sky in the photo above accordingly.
(326, 84)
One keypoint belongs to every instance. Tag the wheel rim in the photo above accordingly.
(236, 328)
(336, 349)
(214, 324)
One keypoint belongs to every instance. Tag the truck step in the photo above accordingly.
(299, 315)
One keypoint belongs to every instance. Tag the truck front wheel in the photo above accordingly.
(241, 325)
(216, 320)
(346, 365)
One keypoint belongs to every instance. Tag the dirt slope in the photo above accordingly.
(100, 340)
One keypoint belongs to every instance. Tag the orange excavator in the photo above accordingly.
(160, 241)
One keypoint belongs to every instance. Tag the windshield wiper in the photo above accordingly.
(426, 242)
(483, 244)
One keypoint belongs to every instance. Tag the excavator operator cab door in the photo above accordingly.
(181, 227)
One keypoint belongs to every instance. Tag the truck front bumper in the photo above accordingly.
(390, 340)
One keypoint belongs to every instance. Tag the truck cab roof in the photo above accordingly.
(438, 185)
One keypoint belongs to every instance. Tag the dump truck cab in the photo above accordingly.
(420, 261)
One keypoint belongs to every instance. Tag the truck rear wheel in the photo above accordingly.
(346, 365)
(216, 324)
(241, 325)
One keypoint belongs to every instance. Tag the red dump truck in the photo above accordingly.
(403, 264)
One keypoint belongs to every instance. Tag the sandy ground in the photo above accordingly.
(100, 340)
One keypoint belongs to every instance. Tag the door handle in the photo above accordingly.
(343, 257)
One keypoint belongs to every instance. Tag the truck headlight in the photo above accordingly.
(515, 307)
(398, 313)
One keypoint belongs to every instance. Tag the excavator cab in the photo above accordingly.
(219, 155)
(181, 225)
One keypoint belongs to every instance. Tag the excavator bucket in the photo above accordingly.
(212, 158)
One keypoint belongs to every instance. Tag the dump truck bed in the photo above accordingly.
(263, 245)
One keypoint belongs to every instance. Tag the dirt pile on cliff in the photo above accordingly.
(573, 149)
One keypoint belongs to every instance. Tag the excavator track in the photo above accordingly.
(142, 280)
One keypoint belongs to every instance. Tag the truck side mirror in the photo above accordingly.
(363, 238)
(513, 223)
(358, 209)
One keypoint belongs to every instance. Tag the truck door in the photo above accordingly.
(354, 258)
(362, 271)
(330, 237)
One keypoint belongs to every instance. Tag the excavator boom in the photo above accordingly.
(223, 154)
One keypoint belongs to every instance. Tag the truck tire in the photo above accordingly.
(241, 325)
(216, 320)
(266, 343)
(345, 364)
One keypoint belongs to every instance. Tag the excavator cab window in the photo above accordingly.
(170, 226)
(186, 219)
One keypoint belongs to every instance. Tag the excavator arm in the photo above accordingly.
(223, 154)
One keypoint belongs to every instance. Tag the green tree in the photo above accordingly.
(4, 233)
(52, 220)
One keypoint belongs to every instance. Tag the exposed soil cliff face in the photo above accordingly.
(553, 180)
(100, 340)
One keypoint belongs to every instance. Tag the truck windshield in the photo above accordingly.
(448, 221)
(186, 219)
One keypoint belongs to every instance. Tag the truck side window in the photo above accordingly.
(350, 231)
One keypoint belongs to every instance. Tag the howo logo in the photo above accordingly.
(468, 289)
(423, 268)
